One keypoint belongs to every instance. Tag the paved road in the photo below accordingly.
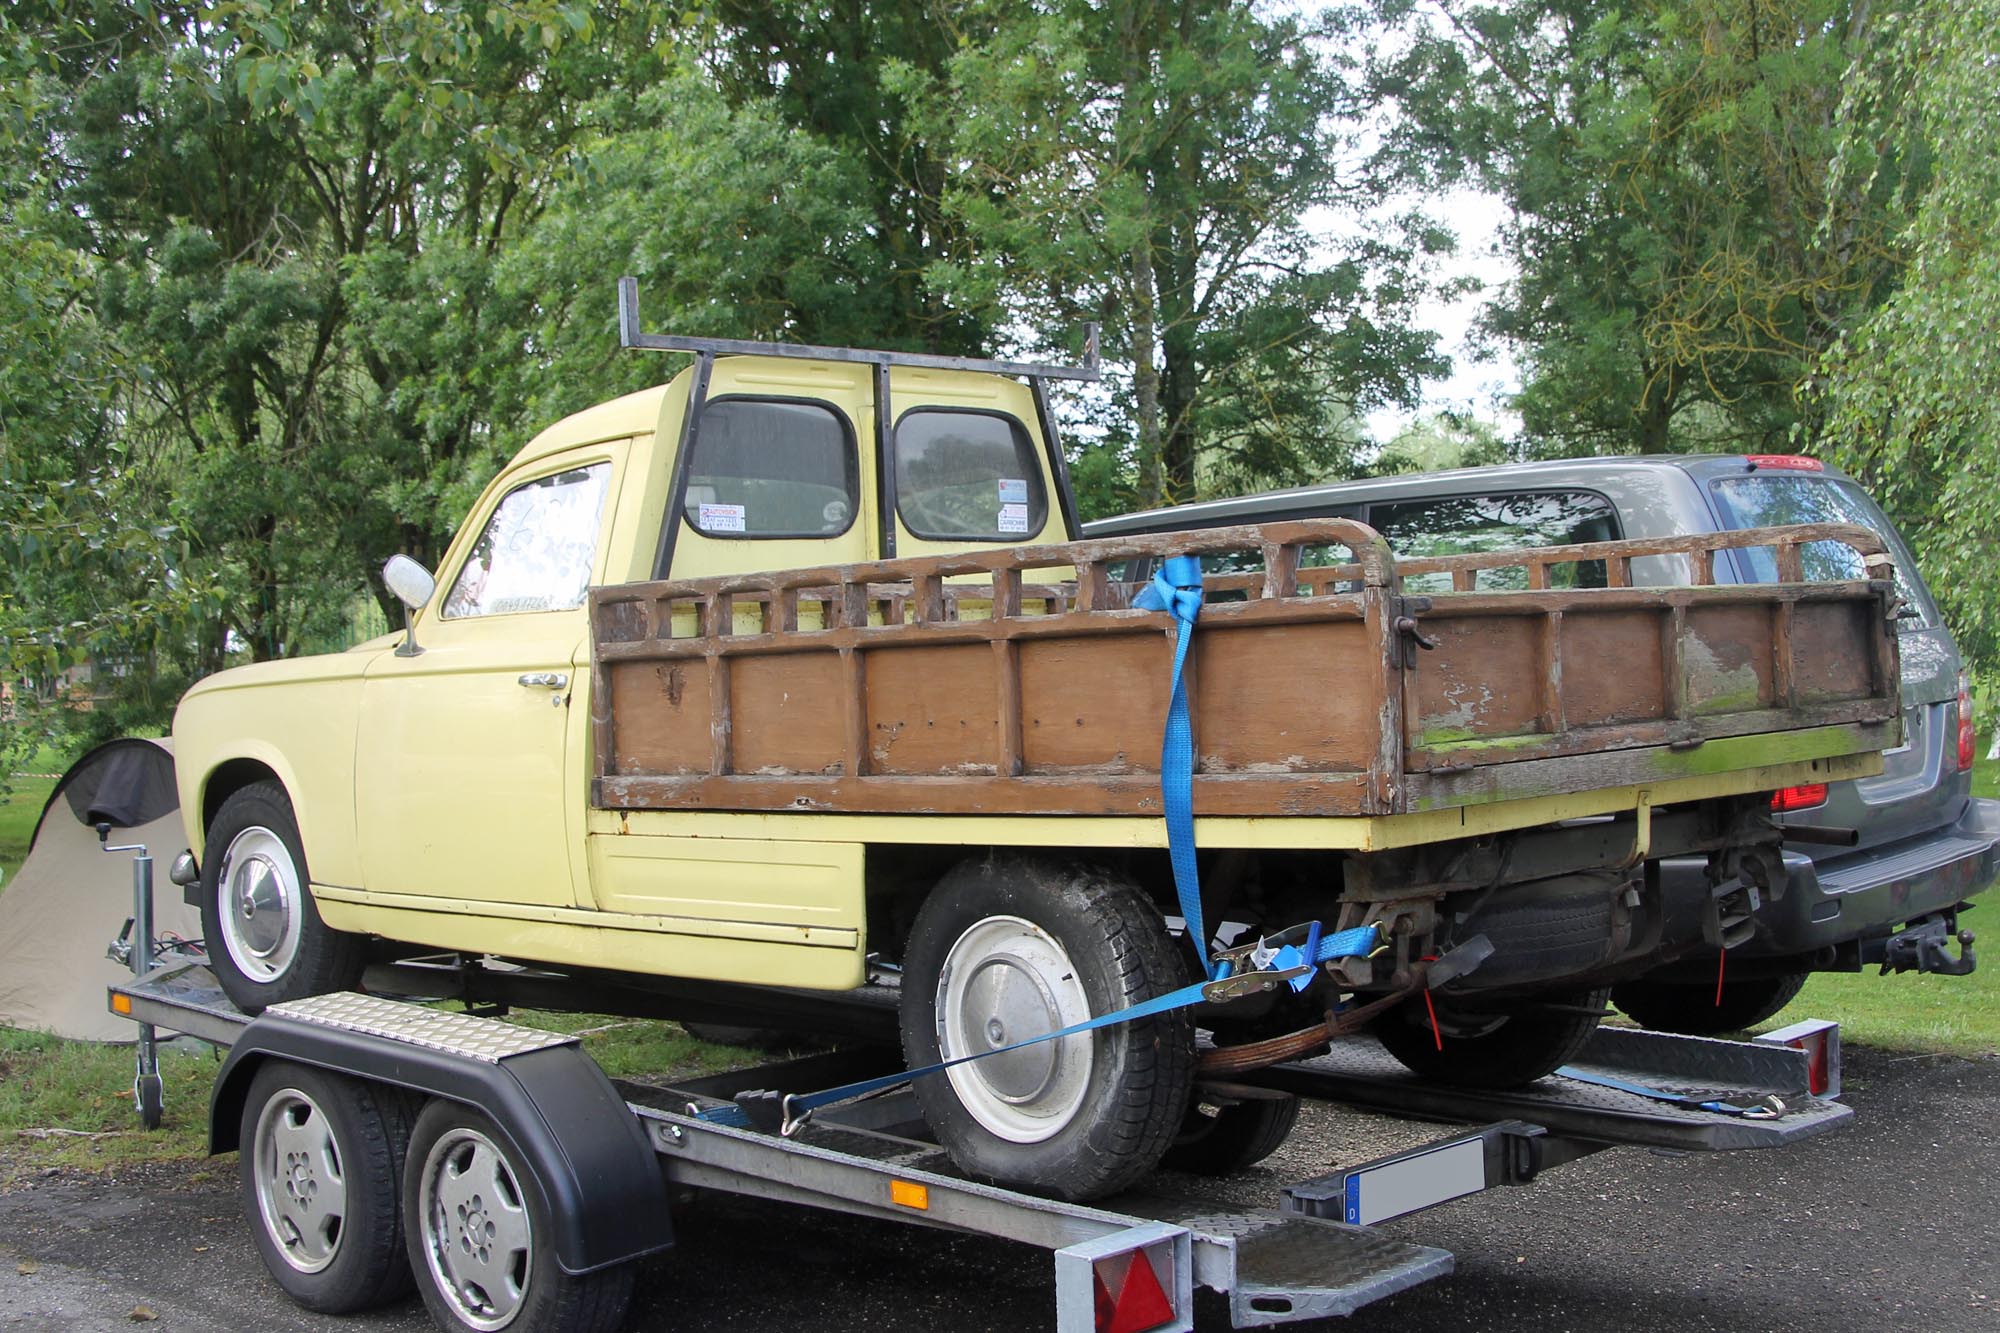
(1890, 1224)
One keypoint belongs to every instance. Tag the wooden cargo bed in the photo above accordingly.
(1020, 680)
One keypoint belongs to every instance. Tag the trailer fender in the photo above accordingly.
(579, 1143)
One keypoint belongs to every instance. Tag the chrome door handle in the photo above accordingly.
(547, 680)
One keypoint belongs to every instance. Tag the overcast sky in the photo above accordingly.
(1478, 387)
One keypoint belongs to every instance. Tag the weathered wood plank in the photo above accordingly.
(911, 692)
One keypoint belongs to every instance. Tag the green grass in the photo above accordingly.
(68, 1104)
(1907, 1012)
(19, 810)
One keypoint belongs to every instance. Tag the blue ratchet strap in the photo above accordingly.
(1766, 1108)
(1177, 589)
(799, 1105)
(1360, 941)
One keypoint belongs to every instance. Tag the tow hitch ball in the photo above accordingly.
(1925, 946)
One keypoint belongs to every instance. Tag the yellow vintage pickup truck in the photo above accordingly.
(794, 663)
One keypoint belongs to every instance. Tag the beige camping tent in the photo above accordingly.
(70, 898)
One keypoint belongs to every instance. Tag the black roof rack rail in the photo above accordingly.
(629, 335)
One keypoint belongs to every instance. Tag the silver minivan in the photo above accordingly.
(1878, 869)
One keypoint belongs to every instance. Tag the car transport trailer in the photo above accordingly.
(528, 1182)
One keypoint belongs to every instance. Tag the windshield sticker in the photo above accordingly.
(1013, 491)
(720, 518)
(1013, 517)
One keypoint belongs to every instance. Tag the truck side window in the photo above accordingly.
(771, 467)
(537, 549)
(1475, 523)
(967, 476)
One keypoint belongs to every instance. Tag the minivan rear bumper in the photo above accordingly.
(1867, 894)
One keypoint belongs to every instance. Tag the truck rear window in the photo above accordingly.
(1472, 524)
(765, 467)
(1775, 499)
(968, 476)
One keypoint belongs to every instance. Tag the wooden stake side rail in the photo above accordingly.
(1022, 680)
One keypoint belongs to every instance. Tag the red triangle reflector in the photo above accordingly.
(1106, 1310)
(1142, 1303)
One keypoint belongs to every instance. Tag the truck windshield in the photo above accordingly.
(1775, 499)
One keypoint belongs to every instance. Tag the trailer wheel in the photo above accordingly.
(1008, 948)
(1691, 1008)
(479, 1236)
(319, 1162)
(266, 942)
(1237, 1135)
(1492, 1047)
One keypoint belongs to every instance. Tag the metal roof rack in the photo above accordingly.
(630, 335)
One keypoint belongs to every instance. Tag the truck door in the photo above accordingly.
(468, 764)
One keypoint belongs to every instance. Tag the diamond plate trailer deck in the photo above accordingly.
(1312, 1255)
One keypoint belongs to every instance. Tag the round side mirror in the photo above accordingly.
(409, 581)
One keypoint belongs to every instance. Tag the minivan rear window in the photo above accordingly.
(1775, 499)
(1473, 524)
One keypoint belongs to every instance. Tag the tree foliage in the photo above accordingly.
(285, 284)
(1153, 164)
(1911, 396)
(1684, 251)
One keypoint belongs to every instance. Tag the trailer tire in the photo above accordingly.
(1008, 947)
(1540, 1036)
(480, 1237)
(266, 941)
(1239, 1135)
(1690, 1008)
(319, 1162)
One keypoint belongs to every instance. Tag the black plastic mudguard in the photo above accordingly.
(583, 1148)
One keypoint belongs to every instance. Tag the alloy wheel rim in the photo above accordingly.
(478, 1238)
(300, 1181)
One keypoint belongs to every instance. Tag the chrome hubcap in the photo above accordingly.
(301, 1187)
(261, 901)
(478, 1239)
(1006, 980)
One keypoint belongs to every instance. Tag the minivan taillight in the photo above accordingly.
(1798, 798)
(1966, 741)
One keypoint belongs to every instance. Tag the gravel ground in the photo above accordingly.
(1887, 1224)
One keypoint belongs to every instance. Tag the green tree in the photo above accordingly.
(1912, 395)
(1684, 254)
(1153, 164)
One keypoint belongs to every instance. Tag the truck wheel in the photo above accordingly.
(1690, 1008)
(320, 1158)
(266, 942)
(1008, 948)
(479, 1236)
(1239, 1134)
(1492, 1048)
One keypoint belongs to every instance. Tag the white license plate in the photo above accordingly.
(1411, 1183)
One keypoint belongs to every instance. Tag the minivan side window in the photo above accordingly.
(967, 476)
(1468, 525)
(771, 467)
(536, 551)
